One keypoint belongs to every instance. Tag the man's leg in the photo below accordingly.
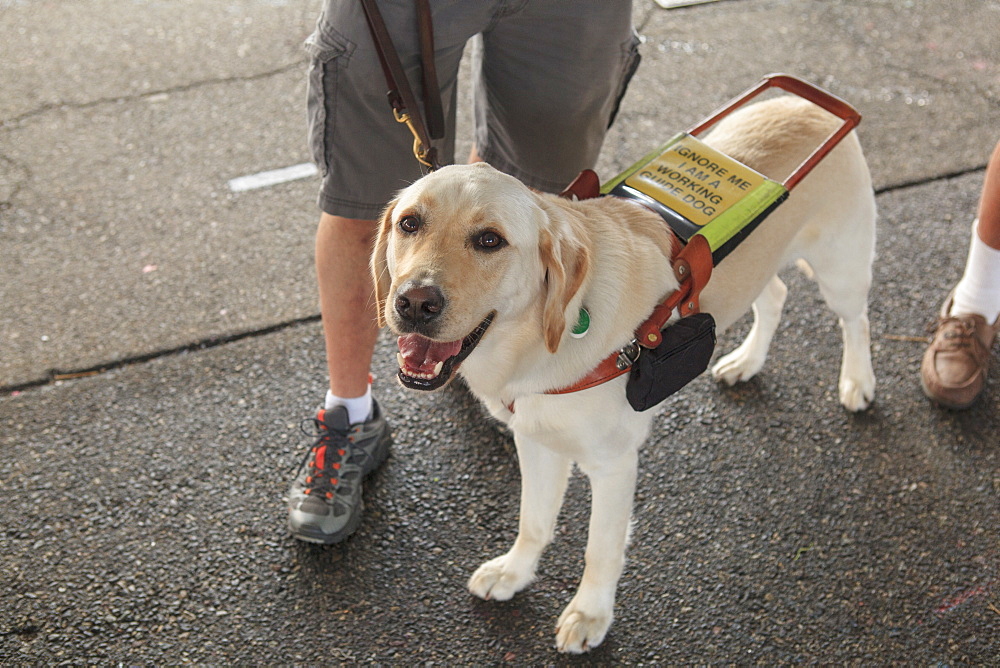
(346, 295)
(954, 367)
(989, 203)
(365, 156)
(353, 438)
(979, 290)
(547, 77)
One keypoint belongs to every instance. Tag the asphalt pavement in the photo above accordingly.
(160, 343)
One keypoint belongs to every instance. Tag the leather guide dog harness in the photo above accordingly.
(705, 244)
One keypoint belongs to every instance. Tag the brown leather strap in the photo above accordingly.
(586, 185)
(401, 98)
(609, 368)
(432, 92)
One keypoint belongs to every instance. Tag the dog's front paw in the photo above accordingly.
(739, 365)
(499, 579)
(857, 395)
(580, 629)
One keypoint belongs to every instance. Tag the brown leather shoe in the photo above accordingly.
(953, 371)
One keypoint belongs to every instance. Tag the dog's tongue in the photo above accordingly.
(421, 355)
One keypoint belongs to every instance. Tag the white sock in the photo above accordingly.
(359, 409)
(979, 289)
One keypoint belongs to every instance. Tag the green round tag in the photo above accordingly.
(582, 325)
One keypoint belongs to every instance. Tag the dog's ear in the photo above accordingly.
(379, 266)
(566, 264)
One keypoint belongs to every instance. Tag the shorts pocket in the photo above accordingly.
(329, 50)
(630, 63)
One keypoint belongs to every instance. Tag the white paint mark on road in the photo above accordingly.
(272, 177)
(676, 4)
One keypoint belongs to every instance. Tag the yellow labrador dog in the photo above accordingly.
(480, 275)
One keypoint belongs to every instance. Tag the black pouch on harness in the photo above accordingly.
(682, 355)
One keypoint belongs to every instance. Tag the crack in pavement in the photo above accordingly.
(57, 375)
(45, 108)
(947, 176)
(14, 176)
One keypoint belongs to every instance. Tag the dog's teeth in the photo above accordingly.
(434, 373)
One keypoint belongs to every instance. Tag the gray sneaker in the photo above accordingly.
(324, 502)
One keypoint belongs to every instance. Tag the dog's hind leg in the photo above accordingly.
(845, 286)
(544, 475)
(857, 378)
(585, 621)
(744, 362)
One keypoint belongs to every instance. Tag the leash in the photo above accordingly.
(405, 108)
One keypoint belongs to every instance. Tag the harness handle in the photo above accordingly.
(831, 103)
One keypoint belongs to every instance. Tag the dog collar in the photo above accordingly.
(692, 270)
(692, 267)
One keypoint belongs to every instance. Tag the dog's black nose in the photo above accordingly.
(420, 305)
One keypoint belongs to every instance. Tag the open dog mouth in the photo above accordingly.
(425, 364)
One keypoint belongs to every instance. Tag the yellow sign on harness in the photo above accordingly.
(698, 181)
(699, 190)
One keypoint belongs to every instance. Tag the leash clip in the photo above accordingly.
(420, 152)
(628, 355)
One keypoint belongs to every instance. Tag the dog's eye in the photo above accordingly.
(409, 224)
(490, 240)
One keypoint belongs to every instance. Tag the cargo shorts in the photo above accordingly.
(548, 76)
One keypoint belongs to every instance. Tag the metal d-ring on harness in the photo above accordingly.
(627, 355)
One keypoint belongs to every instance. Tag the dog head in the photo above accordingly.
(461, 250)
